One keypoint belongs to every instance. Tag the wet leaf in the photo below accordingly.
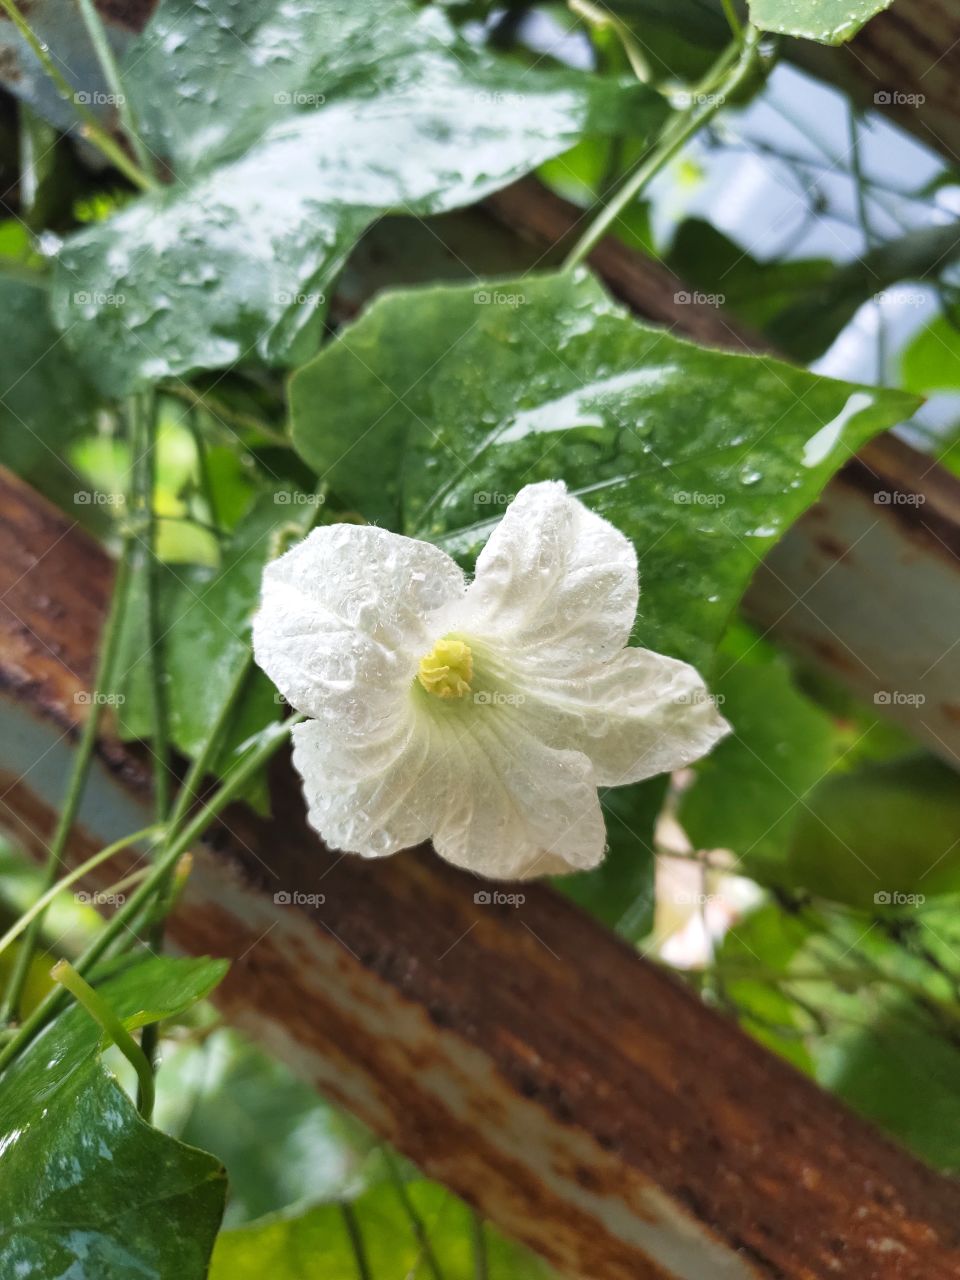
(449, 398)
(291, 128)
(86, 1186)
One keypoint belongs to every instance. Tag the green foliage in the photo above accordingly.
(752, 789)
(828, 21)
(931, 362)
(290, 129)
(766, 943)
(319, 1241)
(86, 1187)
(450, 397)
(621, 891)
(868, 1006)
(205, 643)
(46, 401)
(282, 1145)
(879, 831)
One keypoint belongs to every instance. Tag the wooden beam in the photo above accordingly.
(580, 1097)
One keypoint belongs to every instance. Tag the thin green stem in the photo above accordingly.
(478, 1239)
(111, 74)
(416, 1222)
(92, 129)
(866, 227)
(78, 873)
(271, 740)
(733, 19)
(109, 645)
(203, 472)
(143, 440)
(98, 1009)
(356, 1241)
(730, 71)
(203, 762)
(143, 437)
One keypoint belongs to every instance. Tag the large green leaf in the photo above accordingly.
(931, 361)
(45, 399)
(449, 398)
(881, 835)
(318, 1244)
(87, 1188)
(752, 788)
(290, 128)
(827, 21)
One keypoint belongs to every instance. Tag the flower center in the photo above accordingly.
(446, 671)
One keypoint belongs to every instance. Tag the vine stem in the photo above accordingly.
(416, 1221)
(728, 73)
(109, 646)
(356, 1241)
(271, 740)
(479, 1246)
(98, 1009)
(111, 74)
(142, 413)
(143, 436)
(78, 873)
(92, 129)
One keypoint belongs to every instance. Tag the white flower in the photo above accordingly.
(481, 715)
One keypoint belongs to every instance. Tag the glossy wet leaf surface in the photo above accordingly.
(450, 398)
(827, 21)
(87, 1188)
(289, 130)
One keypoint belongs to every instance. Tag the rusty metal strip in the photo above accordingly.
(578, 1096)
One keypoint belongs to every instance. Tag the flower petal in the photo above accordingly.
(494, 799)
(554, 580)
(369, 800)
(345, 616)
(636, 716)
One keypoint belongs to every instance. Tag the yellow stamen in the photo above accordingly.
(447, 670)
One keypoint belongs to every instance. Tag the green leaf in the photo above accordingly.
(283, 1146)
(827, 21)
(750, 791)
(449, 398)
(879, 832)
(46, 401)
(317, 1242)
(931, 361)
(904, 1077)
(205, 616)
(290, 129)
(760, 292)
(86, 1186)
(621, 891)
(767, 941)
